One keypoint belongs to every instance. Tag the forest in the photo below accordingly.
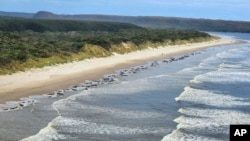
(42, 25)
(146, 21)
(34, 43)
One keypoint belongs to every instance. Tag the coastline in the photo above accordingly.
(51, 78)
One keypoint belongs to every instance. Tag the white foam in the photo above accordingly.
(159, 76)
(229, 67)
(114, 112)
(205, 121)
(190, 70)
(210, 98)
(211, 121)
(176, 135)
(223, 77)
(74, 125)
(46, 134)
(233, 53)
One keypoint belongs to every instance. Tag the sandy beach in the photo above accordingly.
(51, 78)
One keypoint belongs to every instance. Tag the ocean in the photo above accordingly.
(193, 97)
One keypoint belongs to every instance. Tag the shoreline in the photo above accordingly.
(52, 78)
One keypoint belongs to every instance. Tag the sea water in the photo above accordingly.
(194, 97)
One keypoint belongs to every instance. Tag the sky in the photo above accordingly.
(209, 9)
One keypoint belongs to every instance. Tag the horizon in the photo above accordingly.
(124, 15)
(234, 10)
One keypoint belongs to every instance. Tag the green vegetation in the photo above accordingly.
(23, 45)
(38, 25)
(146, 21)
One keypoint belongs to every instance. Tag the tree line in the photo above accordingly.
(43, 25)
(26, 45)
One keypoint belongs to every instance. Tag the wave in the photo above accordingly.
(48, 133)
(74, 125)
(223, 77)
(205, 124)
(212, 101)
(210, 98)
(114, 112)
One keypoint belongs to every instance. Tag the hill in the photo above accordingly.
(42, 25)
(147, 21)
(16, 14)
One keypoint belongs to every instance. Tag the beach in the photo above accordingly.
(62, 76)
(174, 93)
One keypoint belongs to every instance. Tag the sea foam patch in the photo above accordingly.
(202, 124)
(177, 135)
(211, 98)
(223, 77)
(210, 120)
(229, 67)
(74, 125)
(48, 133)
(234, 53)
(73, 106)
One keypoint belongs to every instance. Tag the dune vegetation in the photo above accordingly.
(29, 43)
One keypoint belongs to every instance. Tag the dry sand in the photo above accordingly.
(49, 79)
